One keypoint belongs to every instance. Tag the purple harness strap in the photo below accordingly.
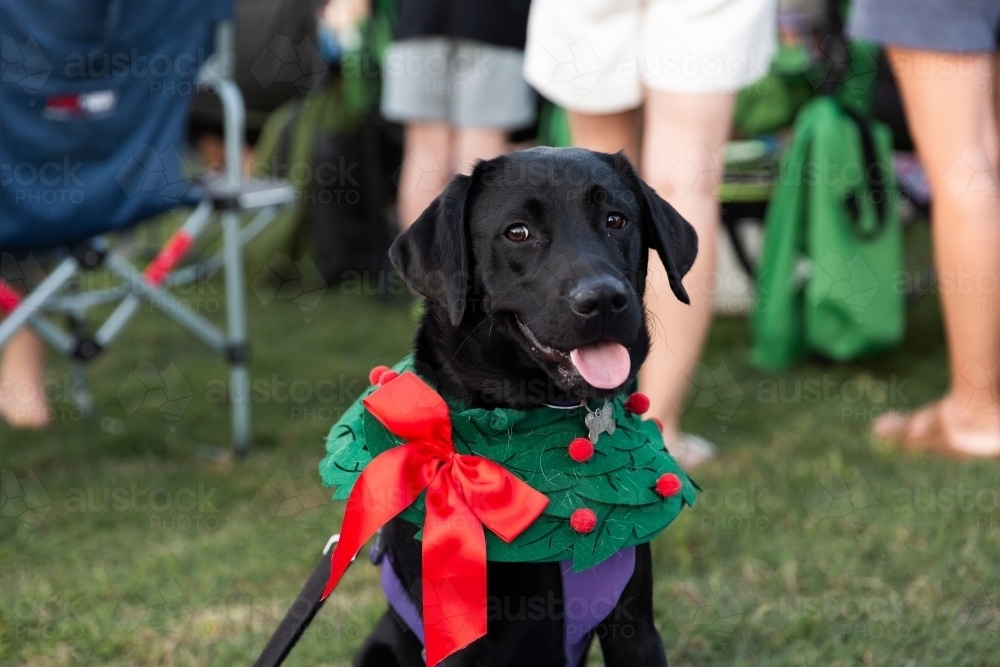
(401, 603)
(588, 597)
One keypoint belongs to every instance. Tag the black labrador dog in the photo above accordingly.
(534, 269)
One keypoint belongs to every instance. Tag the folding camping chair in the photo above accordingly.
(94, 97)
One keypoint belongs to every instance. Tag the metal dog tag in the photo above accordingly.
(600, 421)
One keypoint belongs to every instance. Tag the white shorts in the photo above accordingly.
(596, 56)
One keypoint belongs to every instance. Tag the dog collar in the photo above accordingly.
(622, 491)
(566, 405)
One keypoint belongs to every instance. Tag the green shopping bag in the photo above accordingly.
(833, 247)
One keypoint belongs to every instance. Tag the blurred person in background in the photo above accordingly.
(658, 79)
(943, 55)
(453, 78)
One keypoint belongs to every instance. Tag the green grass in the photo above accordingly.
(810, 544)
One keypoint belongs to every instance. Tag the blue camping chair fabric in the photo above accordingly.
(94, 96)
(93, 103)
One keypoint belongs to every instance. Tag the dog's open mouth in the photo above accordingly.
(603, 364)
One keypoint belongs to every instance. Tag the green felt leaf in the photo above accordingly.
(347, 453)
(377, 436)
(618, 483)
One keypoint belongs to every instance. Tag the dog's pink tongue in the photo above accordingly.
(602, 365)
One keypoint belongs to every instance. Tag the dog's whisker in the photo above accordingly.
(657, 323)
(459, 349)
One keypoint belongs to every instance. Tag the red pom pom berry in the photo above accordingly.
(375, 373)
(659, 423)
(386, 376)
(637, 403)
(668, 485)
(583, 520)
(581, 450)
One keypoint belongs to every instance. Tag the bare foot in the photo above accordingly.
(944, 428)
(22, 395)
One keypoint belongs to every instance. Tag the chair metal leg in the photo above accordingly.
(33, 303)
(234, 123)
(81, 389)
(160, 268)
(61, 341)
(239, 386)
(169, 304)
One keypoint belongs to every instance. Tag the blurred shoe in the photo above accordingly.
(690, 450)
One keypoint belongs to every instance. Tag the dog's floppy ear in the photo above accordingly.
(673, 238)
(665, 231)
(432, 254)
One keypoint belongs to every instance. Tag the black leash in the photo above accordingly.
(300, 614)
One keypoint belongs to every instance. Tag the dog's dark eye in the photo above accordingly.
(616, 221)
(517, 233)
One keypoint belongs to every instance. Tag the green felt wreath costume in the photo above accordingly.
(618, 483)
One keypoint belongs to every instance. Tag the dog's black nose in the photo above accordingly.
(596, 295)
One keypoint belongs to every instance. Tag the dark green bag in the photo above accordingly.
(833, 248)
(770, 104)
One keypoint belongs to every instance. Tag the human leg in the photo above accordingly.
(684, 135)
(607, 133)
(427, 166)
(22, 396)
(949, 102)
(476, 143)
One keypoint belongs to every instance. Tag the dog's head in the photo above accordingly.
(534, 268)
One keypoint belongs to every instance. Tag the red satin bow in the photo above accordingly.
(464, 493)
